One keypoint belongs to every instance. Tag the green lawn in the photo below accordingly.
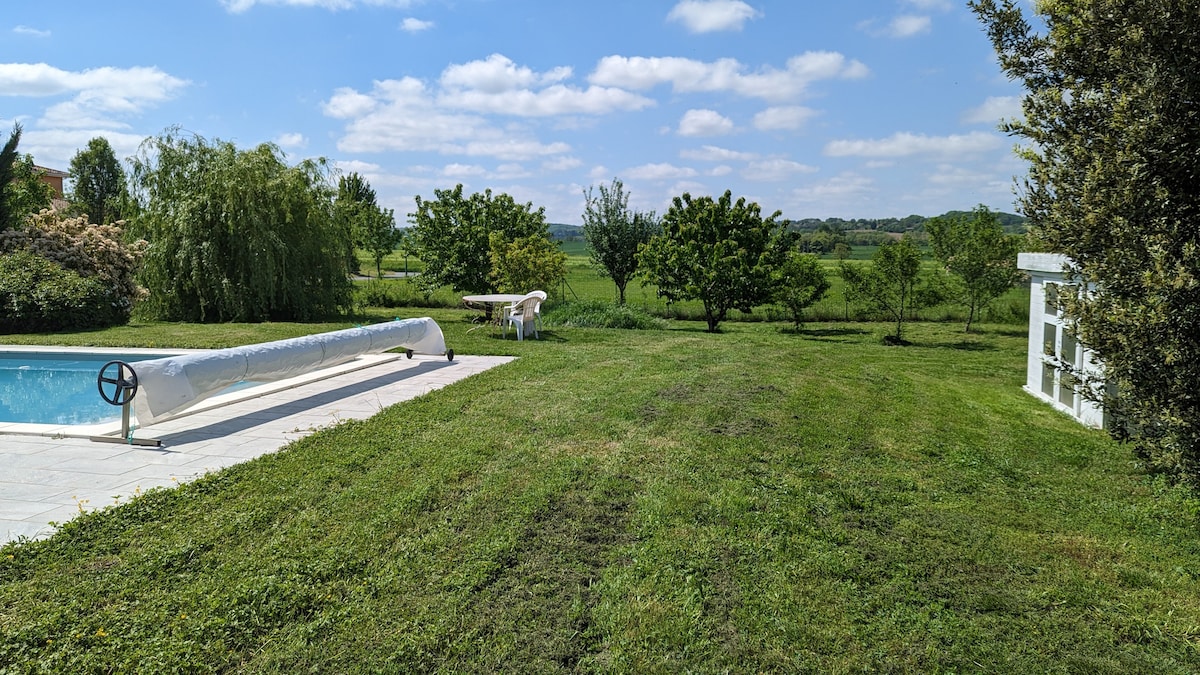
(642, 501)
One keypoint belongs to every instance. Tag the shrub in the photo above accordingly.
(92, 251)
(597, 314)
(38, 295)
(402, 293)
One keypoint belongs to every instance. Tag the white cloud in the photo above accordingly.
(451, 117)
(720, 170)
(775, 170)
(511, 148)
(908, 25)
(903, 26)
(103, 97)
(548, 102)
(403, 115)
(840, 187)
(561, 163)
(55, 147)
(712, 153)
(462, 170)
(905, 144)
(357, 166)
(658, 172)
(510, 171)
(32, 32)
(415, 25)
(706, 16)
(951, 175)
(994, 109)
(291, 140)
(239, 6)
(704, 123)
(114, 87)
(497, 74)
(497, 85)
(688, 75)
(347, 103)
(940, 5)
(783, 118)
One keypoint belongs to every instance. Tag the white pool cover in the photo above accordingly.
(169, 385)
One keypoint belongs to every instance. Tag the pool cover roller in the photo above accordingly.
(169, 385)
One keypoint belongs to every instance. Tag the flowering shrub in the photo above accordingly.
(36, 295)
(101, 270)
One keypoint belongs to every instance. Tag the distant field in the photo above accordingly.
(583, 282)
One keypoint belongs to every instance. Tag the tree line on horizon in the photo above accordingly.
(1011, 223)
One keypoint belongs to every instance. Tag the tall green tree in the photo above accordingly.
(237, 235)
(99, 183)
(715, 251)
(22, 190)
(975, 250)
(891, 283)
(1113, 132)
(371, 227)
(614, 232)
(27, 193)
(452, 235)
(8, 158)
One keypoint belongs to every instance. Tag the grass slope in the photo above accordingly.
(645, 501)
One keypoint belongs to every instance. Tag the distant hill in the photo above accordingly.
(564, 232)
(1011, 222)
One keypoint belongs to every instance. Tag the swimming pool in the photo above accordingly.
(51, 391)
(59, 387)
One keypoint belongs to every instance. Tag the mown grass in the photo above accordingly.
(643, 501)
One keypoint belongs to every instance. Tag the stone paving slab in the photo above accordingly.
(49, 478)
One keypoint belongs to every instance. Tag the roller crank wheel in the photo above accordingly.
(123, 383)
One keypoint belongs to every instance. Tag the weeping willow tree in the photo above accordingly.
(237, 235)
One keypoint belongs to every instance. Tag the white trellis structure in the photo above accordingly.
(1051, 342)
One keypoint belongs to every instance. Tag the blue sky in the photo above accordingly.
(849, 109)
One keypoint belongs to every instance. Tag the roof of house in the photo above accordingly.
(52, 172)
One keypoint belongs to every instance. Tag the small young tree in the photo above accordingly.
(974, 248)
(798, 282)
(99, 185)
(378, 235)
(842, 252)
(716, 252)
(890, 283)
(614, 232)
(526, 263)
(452, 235)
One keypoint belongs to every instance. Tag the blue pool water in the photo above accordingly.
(57, 388)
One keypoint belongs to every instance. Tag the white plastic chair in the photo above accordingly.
(537, 311)
(522, 315)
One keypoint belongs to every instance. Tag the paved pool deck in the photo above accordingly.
(48, 476)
